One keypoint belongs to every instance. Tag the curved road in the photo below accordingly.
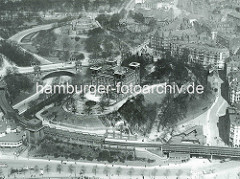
(20, 35)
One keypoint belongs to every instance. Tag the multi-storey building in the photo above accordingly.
(10, 137)
(145, 4)
(204, 54)
(228, 40)
(164, 41)
(234, 134)
(12, 140)
(82, 26)
(161, 42)
(234, 87)
(34, 131)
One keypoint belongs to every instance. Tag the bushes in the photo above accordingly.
(17, 83)
(76, 152)
(54, 98)
(45, 41)
(17, 55)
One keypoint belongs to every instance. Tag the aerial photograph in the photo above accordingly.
(120, 89)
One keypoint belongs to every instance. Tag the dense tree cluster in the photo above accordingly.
(138, 17)
(55, 98)
(109, 21)
(170, 68)
(58, 5)
(57, 148)
(45, 42)
(17, 83)
(139, 115)
(15, 54)
(100, 44)
(93, 43)
(173, 110)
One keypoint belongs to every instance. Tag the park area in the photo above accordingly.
(58, 115)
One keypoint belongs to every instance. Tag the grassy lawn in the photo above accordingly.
(61, 37)
(30, 48)
(25, 94)
(29, 37)
(66, 118)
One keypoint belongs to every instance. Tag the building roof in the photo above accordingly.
(120, 70)
(234, 79)
(34, 123)
(205, 47)
(12, 137)
(182, 155)
(175, 33)
(109, 70)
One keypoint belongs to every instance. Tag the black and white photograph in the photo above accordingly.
(119, 89)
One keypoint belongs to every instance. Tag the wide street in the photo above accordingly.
(19, 36)
(195, 168)
(209, 119)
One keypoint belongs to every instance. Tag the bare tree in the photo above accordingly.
(71, 168)
(130, 172)
(83, 170)
(118, 171)
(59, 168)
(36, 169)
(106, 170)
(1, 172)
(142, 172)
(166, 173)
(154, 172)
(94, 170)
(179, 173)
(47, 168)
(238, 175)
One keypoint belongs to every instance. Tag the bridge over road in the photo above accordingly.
(48, 69)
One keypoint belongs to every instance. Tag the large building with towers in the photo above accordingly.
(116, 76)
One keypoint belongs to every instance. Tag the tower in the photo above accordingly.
(35, 131)
(136, 67)
(94, 75)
